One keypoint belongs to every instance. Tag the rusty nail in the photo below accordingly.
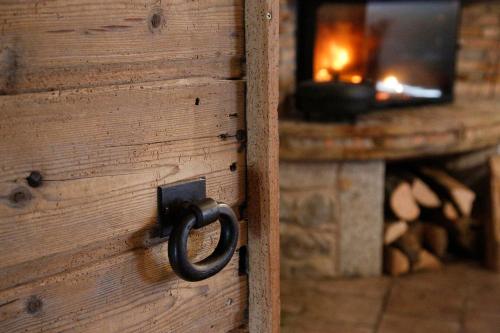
(34, 179)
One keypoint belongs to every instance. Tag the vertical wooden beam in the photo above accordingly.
(262, 53)
(492, 227)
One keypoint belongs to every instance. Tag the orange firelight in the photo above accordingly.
(339, 50)
(323, 75)
(339, 57)
(356, 79)
(333, 60)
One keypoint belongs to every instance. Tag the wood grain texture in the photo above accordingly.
(135, 291)
(492, 227)
(102, 153)
(396, 134)
(60, 44)
(262, 49)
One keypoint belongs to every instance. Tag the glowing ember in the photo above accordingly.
(356, 79)
(382, 96)
(323, 75)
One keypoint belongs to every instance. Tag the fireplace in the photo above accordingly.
(357, 55)
(335, 177)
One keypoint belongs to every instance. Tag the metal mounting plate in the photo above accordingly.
(172, 196)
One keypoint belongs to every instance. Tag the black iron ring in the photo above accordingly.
(199, 216)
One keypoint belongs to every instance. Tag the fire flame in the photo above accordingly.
(339, 57)
(338, 50)
(332, 60)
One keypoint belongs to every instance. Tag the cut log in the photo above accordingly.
(436, 239)
(394, 230)
(395, 262)
(410, 245)
(465, 235)
(426, 261)
(400, 199)
(417, 229)
(449, 211)
(462, 196)
(472, 168)
(424, 195)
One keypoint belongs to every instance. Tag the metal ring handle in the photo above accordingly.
(196, 218)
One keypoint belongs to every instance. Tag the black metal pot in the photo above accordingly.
(334, 100)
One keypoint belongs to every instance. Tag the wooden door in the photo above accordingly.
(108, 100)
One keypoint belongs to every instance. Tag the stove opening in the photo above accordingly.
(404, 49)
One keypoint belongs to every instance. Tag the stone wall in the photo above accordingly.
(478, 69)
(331, 219)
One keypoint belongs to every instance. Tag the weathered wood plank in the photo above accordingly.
(396, 134)
(64, 44)
(102, 153)
(133, 292)
(83, 232)
(262, 47)
(36, 128)
(492, 227)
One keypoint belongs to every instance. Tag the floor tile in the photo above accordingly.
(406, 324)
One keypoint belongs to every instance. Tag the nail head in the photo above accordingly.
(34, 179)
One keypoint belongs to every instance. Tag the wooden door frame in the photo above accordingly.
(262, 60)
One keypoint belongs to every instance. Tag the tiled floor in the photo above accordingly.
(462, 298)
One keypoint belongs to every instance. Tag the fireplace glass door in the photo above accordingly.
(405, 49)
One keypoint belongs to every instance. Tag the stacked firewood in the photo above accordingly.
(428, 216)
